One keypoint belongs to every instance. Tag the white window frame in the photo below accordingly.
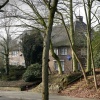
(63, 51)
(14, 53)
(56, 66)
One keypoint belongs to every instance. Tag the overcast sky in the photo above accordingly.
(79, 11)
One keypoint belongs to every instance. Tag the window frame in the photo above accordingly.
(56, 65)
(56, 51)
(63, 51)
(14, 53)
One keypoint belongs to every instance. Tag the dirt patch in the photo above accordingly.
(80, 89)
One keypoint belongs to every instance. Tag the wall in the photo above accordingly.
(67, 63)
(17, 59)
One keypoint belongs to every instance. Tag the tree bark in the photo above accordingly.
(46, 47)
(89, 45)
(56, 58)
(75, 66)
(89, 37)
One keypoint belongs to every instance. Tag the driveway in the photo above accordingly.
(24, 95)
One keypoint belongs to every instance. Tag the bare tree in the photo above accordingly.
(6, 36)
(44, 25)
(88, 5)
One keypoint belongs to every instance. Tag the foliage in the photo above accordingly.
(32, 47)
(96, 48)
(97, 60)
(96, 42)
(15, 73)
(33, 72)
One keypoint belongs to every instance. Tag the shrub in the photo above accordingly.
(15, 73)
(97, 60)
(2, 70)
(32, 73)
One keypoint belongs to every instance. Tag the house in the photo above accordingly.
(15, 55)
(62, 48)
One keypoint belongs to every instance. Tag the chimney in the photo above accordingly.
(79, 18)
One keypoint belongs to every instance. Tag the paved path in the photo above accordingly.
(23, 95)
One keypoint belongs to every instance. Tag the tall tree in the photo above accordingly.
(6, 37)
(90, 60)
(52, 9)
(5, 44)
(32, 45)
(37, 16)
(72, 32)
(45, 25)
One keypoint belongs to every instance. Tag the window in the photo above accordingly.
(83, 51)
(62, 65)
(14, 53)
(63, 51)
(56, 51)
(56, 65)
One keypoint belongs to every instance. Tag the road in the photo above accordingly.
(24, 95)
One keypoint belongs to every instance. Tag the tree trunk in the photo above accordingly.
(93, 66)
(56, 58)
(89, 37)
(67, 32)
(75, 66)
(89, 45)
(7, 64)
(45, 56)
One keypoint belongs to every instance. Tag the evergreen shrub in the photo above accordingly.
(33, 72)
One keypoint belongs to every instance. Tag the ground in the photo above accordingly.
(80, 89)
(77, 89)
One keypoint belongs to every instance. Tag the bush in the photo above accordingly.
(33, 72)
(97, 60)
(15, 73)
(2, 70)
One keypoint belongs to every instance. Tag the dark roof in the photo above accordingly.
(14, 45)
(59, 36)
(80, 32)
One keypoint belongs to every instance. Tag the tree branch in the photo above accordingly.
(1, 6)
